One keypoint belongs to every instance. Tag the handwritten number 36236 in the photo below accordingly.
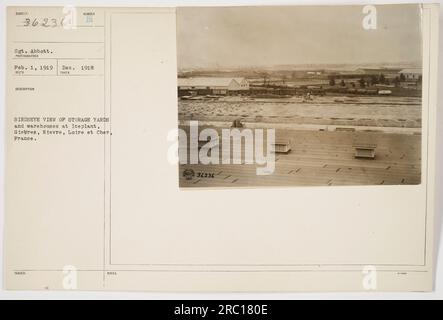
(45, 22)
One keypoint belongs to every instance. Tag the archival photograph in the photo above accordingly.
(299, 96)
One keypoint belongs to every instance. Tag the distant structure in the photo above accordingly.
(314, 72)
(378, 71)
(212, 85)
(411, 74)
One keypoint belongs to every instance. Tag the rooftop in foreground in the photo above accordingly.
(324, 159)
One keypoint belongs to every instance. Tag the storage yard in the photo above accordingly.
(325, 133)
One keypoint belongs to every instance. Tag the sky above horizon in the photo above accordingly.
(223, 37)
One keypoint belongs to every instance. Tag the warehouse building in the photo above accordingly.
(411, 74)
(212, 85)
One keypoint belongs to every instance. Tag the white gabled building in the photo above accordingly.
(411, 73)
(216, 85)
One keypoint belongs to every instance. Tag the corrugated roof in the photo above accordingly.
(381, 69)
(411, 70)
(205, 82)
